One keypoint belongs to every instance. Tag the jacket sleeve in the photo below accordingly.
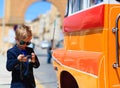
(37, 63)
(12, 61)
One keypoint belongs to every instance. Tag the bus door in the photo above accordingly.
(114, 44)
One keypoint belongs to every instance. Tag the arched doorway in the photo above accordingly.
(46, 26)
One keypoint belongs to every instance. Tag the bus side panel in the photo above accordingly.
(102, 73)
(79, 76)
(87, 19)
(88, 40)
(84, 33)
(82, 65)
(114, 73)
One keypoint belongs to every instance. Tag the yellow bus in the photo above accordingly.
(90, 56)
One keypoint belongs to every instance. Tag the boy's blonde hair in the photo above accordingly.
(22, 32)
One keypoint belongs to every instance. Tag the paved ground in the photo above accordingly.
(45, 75)
(5, 76)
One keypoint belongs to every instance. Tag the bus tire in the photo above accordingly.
(67, 80)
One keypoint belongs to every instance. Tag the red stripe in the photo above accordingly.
(80, 60)
(91, 18)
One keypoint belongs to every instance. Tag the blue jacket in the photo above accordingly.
(12, 64)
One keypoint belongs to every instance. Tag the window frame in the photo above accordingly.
(82, 5)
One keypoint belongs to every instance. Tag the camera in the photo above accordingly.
(29, 56)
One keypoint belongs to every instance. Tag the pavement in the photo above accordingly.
(45, 76)
(5, 76)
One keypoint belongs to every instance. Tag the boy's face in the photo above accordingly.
(24, 43)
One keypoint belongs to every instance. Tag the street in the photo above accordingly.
(45, 74)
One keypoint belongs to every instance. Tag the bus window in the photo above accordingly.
(94, 2)
(118, 0)
(76, 5)
(68, 8)
(98, 1)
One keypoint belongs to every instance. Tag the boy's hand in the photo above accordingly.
(33, 57)
(22, 58)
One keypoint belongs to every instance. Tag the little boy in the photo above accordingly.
(21, 59)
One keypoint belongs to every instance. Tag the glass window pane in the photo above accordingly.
(76, 5)
(98, 1)
(94, 2)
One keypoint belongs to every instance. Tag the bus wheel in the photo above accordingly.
(67, 80)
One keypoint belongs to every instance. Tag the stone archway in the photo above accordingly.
(15, 9)
(14, 14)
